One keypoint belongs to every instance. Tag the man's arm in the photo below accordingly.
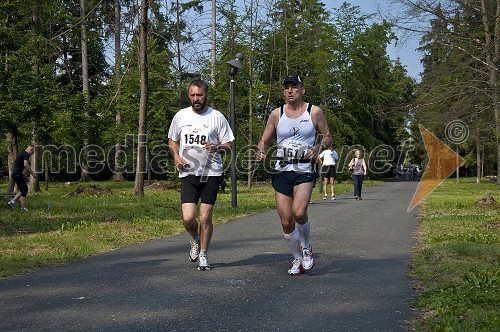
(28, 168)
(321, 126)
(268, 136)
(223, 148)
(174, 150)
(320, 159)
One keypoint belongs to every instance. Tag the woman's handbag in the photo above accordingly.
(351, 168)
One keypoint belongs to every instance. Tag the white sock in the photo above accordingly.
(304, 231)
(293, 241)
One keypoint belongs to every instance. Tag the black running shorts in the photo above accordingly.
(196, 187)
(328, 171)
(283, 182)
(21, 184)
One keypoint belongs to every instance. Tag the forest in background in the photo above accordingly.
(71, 74)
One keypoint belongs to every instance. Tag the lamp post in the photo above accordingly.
(234, 65)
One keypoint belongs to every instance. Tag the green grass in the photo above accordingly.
(457, 263)
(60, 228)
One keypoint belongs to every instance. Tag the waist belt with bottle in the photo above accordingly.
(285, 161)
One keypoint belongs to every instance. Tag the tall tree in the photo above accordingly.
(142, 133)
(117, 173)
(34, 184)
(84, 175)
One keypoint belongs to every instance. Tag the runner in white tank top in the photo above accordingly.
(295, 137)
(295, 129)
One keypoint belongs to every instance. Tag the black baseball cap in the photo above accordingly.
(293, 78)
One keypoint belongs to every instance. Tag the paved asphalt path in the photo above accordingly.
(359, 281)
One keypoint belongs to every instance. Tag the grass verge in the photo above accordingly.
(457, 263)
(60, 228)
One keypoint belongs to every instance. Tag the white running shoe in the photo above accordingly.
(203, 264)
(333, 197)
(24, 209)
(325, 197)
(307, 258)
(297, 268)
(11, 204)
(194, 252)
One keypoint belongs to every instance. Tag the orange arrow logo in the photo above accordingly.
(442, 163)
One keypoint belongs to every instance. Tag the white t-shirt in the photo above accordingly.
(329, 157)
(192, 130)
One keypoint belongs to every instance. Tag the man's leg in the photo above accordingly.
(22, 199)
(284, 205)
(189, 211)
(301, 193)
(290, 233)
(206, 225)
(325, 187)
(16, 196)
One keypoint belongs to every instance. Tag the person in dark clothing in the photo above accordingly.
(20, 164)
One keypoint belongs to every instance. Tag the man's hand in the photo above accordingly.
(180, 163)
(313, 153)
(260, 156)
(211, 147)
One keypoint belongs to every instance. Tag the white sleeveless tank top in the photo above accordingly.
(294, 138)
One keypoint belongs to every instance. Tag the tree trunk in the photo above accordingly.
(492, 52)
(34, 184)
(12, 151)
(84, 175)
(478, 156)
(213, 57)
(251, 158)
(142, 140)
(117, 174)
(178, 47)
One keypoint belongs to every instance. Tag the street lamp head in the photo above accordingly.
(235, 64)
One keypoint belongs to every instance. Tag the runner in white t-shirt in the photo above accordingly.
(197, 136)
(328, 159)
